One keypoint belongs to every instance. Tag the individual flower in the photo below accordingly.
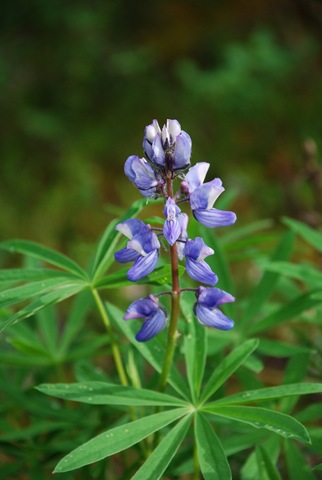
(142, 248)
(155, 317)
(140, 172)
(171, 228)
(169, 148)
(203, 195)
(195, 252)
(181, 243)
(206, 311)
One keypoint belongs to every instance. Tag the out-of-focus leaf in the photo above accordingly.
(266, 467)
(297, 466)
(45, 254)
(305, 273)
(313, 237)
(275, 348)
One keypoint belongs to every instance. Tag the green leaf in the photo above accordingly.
(195, 348)
(117, 439)
(102, 393)
(305, 273)
(48, 255)
(275, 348)
(258, 417)
(312, 236)
(55, 296)
(105, 249)
(268, 281)
(297, 466)
(318, 467)
(160, 458)
(11, 276)
(212, 458)
(264, 394)
(160, 276)
(33, 289)
(286, 312)
(153, 351)
(227, 367)
(266, 467)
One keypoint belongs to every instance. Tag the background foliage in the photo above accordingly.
(79, 80)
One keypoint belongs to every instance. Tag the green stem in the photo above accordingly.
(196, 466)
(114, 347)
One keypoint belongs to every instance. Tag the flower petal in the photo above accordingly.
(142, 308)
(158, 155)
(152, 326)
(126, 255)
(201, 272)
(212, 297)
(143, 266)
(196, 175)
(171, 231)
(197, 249)
(206, 195)
(132, 227)
(214, 218)
(213, 318)
(182, 151)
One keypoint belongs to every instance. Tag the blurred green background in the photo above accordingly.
(81, 79)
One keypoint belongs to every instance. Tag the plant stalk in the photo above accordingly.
(114, 347)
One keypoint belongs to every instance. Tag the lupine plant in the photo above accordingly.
(172, 418)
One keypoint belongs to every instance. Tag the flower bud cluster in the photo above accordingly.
(168, 155)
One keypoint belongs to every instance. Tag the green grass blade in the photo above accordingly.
(160, 458)
(313, 237)
(117, 439)
(102, 393)
(286, 312)
(268, 281)
(45, 254)
(212, 458)
(270, 393)
(227, 367)
(297, 466)
(258, 417)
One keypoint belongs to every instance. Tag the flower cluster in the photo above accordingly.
(168, 154)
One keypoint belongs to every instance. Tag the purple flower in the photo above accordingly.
(155, 317)
(196, 251)
(169, 148)
(206, 311)
(171, 228)
(140, 172)
(203, 195)
(142, 248)
(183, 222)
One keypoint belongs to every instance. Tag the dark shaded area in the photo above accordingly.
(80, 80)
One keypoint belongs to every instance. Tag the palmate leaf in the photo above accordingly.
(227, 367)
(160, 458)
(305, 273)
(45, 254)
(152, 350)
(118, 439)
(60, 293)
(10, 276)
(258, 417)
(212, 458)
(270, 393)
(102, 393)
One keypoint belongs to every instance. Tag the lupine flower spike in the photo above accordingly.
(168, 155)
